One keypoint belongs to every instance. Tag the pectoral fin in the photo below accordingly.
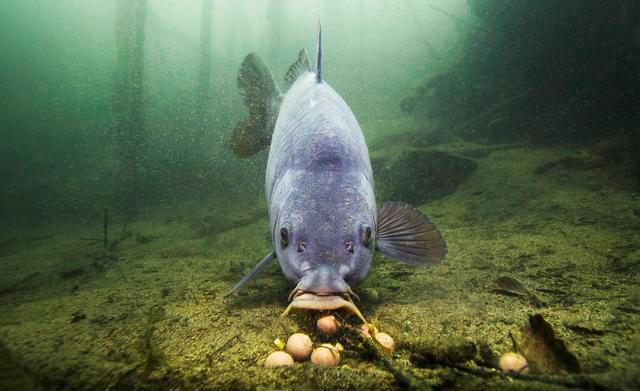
(253, 273)
(406, 234)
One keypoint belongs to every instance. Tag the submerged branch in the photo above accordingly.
(571, 381)
(402, 375)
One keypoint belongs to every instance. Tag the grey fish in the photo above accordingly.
(319, 187)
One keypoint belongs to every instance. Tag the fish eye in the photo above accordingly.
(349, 246)
(285, 233)
(365, 234)
(301, 247)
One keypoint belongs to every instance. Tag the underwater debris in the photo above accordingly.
(425, 352)
(71, 273)
(166, 291)
(150, 355)
(401, 373)
(620, 264)
(92, 241)
(279, 343)
(543, 350)
(37, 238)
(585, 330)
(572, 163)
(505, 285)
(78, 316)
(226, 345)
(141, 239)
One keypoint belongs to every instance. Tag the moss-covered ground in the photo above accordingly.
(150, 312)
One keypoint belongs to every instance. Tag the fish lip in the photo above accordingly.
(323, 302)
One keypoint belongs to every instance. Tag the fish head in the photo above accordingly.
(325, 242)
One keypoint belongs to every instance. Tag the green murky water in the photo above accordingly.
(125, 215)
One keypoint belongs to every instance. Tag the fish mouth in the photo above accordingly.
(323, 302)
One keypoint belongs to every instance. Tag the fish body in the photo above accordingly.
(323, 218)
(319, 187)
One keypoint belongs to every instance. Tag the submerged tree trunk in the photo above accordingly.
(204, 75)
(127, 101)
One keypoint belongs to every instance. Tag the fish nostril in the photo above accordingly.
(349, 246)
(301, 247)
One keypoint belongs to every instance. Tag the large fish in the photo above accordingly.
(319, 187)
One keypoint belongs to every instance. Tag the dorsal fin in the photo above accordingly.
(319, 55)
(297, 68)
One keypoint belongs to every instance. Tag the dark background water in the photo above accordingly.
(549, 71)
(62, 62)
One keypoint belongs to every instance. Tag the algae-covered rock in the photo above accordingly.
(420, 175)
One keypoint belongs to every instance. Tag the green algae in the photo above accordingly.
(573, 246)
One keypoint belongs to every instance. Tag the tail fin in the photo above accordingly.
(319, 55)
(262, 97)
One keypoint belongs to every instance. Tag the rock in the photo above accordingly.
(545, 352)
(417, 176)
